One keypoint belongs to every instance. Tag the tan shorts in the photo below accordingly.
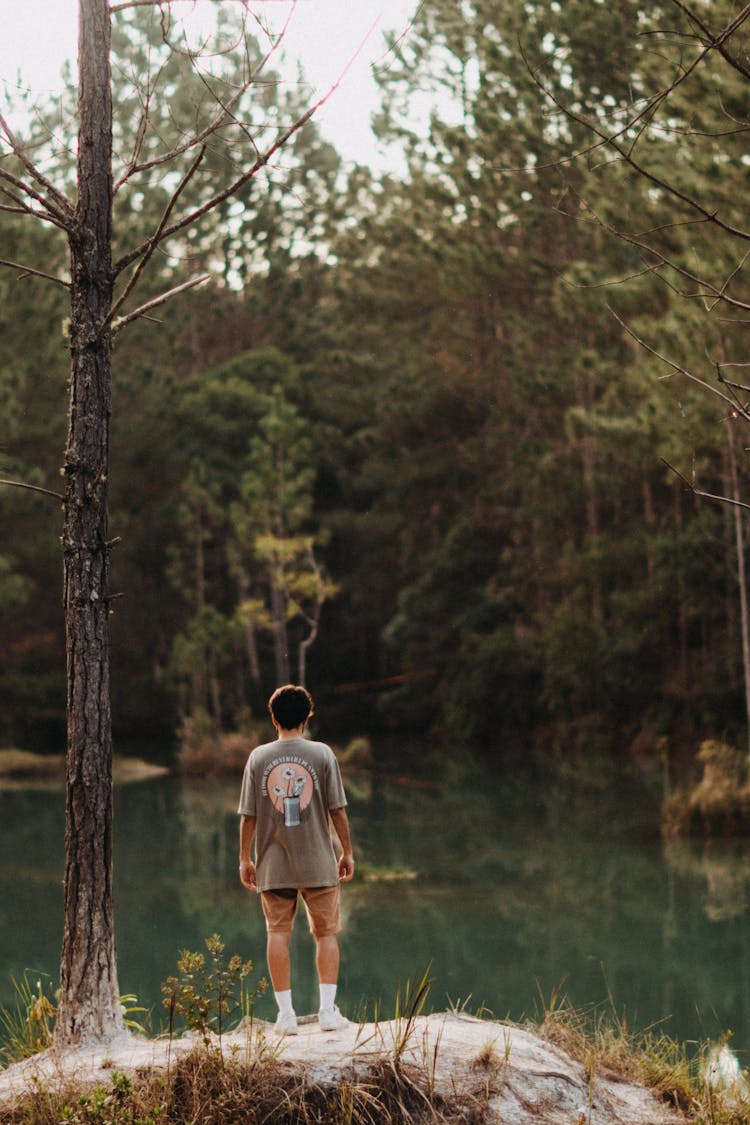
(323, 906)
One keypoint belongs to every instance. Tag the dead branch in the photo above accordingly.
(49, 213)
(660, 261)
(154, 303)
(142, 130)
(607, 140)
(153, 242)
(55, 202)
(232, 189)
(612, 140)
(679, 369)
(224, 112)
(28, 271)
(700, 492)
(144, 4)
(33, 488)
(704, 30)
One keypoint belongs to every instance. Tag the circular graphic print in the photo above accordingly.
(290, 787)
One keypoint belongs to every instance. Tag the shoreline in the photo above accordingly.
(507, 1073)
(26, 769)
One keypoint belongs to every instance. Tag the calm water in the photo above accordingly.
(513, 887)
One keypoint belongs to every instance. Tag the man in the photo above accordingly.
(290, 789)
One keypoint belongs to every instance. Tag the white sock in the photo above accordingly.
(284, 1002)
(327, 997)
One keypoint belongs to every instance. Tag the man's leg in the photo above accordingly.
(279, 961)
(327, 959)
(324, 911)
(279, 908)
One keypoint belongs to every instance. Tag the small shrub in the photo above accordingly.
(210, 991)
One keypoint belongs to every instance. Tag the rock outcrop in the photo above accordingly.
(519, 1076)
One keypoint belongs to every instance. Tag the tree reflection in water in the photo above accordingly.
(513, 885)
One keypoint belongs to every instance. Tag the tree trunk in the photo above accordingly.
(304, 646)
(89, 994)
(199, 676)
(278, 616)
(741, 577)
(588, 450)
(251, 646)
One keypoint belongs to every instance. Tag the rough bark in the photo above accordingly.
(89, 994)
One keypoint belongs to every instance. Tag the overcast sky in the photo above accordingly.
(39, 35)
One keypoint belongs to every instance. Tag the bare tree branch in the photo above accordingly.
(48, 214)
(142, 130)
(705, 288)
(608, 141)
(158, 4)
(224, 112)
(29, 271)
(57, 204)
(33, 488)
(679, 369)
(705, 31)
(263, 158)
(154, 303)
(153, 242)
(699, 491)
(611, 140)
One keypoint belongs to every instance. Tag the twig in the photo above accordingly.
(705, 288)
(118, 325)
(699, 492)
(226, 111)
(610, 140)
(33, 488)
(62, 208)
(49, 213)
(153, 242)
(733, 62)
(27, 271)
(260, 162)
(679, 368)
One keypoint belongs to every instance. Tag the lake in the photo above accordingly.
(513, 886)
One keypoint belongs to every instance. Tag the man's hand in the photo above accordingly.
(247, 874)
(346, 867)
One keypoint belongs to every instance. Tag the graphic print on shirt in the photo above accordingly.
(290, 784)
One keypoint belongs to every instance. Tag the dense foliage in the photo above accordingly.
(404, 445)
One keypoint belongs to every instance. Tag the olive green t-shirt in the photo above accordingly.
(289, 786)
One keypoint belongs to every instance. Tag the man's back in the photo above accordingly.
(289, 786)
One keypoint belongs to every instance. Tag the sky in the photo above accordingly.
(39, 35)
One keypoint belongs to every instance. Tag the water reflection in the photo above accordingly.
(512, 887)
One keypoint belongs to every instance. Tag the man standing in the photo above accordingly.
(290, 789)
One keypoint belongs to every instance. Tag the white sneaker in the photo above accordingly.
(286, 1024)
(332, 1020)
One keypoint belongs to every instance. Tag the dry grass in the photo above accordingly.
(606, 1045)
(205, 1087)
(677, 1075)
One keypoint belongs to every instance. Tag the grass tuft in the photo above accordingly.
(678, 1073)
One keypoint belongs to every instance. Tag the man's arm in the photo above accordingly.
(247, 867)
(341, 826)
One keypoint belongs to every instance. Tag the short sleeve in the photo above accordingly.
(247, 805)
(335, 795)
